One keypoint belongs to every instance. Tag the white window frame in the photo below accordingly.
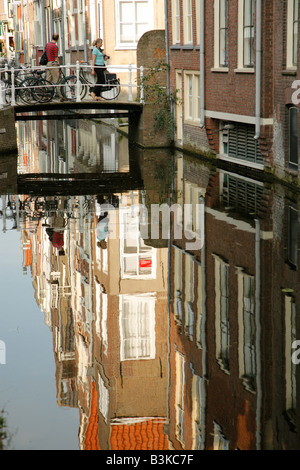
(246, 349)
(176, 21)
(179, 396)
(149, 21)
(292, 22)
(188, 22)
(179, 107)
(221, 327)
(241, 66)
(217, 65)
(192, 97)
(290, 368)
(137, 301)
(197, 5)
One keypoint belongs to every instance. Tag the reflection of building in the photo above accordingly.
(234, 317)
(130, 352)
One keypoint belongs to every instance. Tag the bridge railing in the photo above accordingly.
(127, 74)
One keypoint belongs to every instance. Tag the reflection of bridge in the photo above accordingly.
(48, 184)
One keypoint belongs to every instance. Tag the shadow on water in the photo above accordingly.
(170, 288)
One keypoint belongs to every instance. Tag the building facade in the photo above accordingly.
(234, 65)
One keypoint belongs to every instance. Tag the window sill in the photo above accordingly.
(191, 122)
(220, 69)
(244, 70)
(290, 71)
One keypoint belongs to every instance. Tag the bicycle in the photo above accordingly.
(29, 89)
(111, 88)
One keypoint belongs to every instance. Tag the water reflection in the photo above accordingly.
(159, 343)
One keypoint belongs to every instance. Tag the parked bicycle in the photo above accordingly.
(30, 89)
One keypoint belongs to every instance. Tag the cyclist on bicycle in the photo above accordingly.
(98, 68)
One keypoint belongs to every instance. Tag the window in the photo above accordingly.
(221, 34)
(192, 97)
(222, 313)
(241, 143)
(176, 21)
(246, 320)
(188, 24)
(292, 34)
(293, 137)
(137, 327)
(134, 18)
(248, 33)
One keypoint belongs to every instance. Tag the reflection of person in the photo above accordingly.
(102, 229)
(98, 68)
(57, 239)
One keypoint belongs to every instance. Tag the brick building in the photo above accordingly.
(233, 64)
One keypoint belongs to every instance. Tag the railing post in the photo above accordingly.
(130, 98)
(2, 91)
(77, 81)
(13, 91)
(141, 84)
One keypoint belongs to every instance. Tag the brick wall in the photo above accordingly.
(8, 139)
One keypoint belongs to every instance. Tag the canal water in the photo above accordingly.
(149, 299)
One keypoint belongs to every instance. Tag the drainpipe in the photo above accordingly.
(202, 65)
(84, 32)
(167, 46)
(258, 68)
(258, 335)
(63, 31)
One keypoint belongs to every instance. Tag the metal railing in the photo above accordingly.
(128, 82)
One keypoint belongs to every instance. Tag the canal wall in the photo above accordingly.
(153, 126)
(8, 136)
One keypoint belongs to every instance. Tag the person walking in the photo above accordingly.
(98, 68)
(53, 63)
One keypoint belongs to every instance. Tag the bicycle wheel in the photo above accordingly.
(26, 90)
(112, 90)
(43, 91)
(69, 88)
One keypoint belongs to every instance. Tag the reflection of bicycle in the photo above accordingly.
(109, 91)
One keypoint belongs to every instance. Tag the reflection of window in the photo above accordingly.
(137, 259)
(246, 312)
(222, 313)
(101, 316)
(178, 285)
(189, 296)
(292, 236)
(197, 408)
(179, 396)
(293, 137)
(220, 443)
(137, 327)
(134, 19)
(103, 398)
(290, 367)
